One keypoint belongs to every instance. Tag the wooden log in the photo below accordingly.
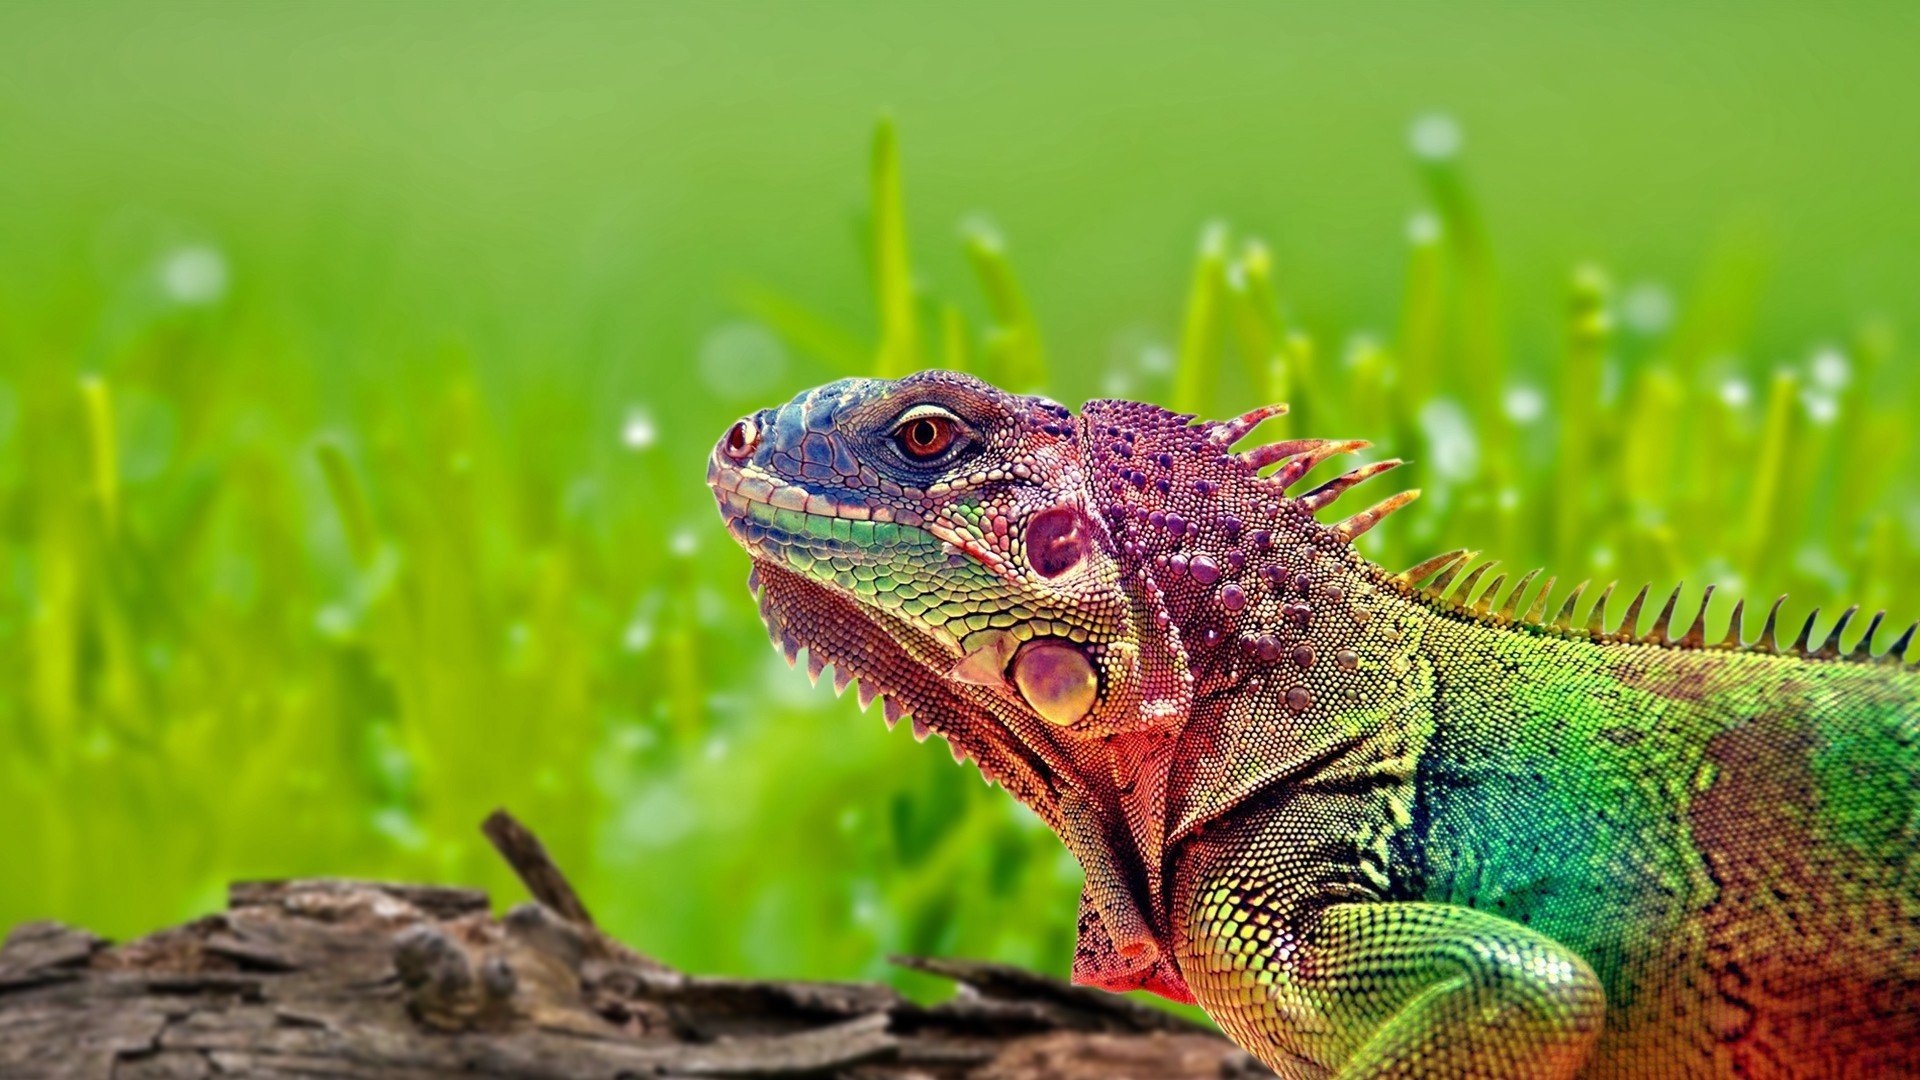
(375, 981)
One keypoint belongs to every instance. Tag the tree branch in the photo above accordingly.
(374, 981)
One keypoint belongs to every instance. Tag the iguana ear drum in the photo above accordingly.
(1056, 541)
(1057, 680)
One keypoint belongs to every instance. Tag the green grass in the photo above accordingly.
(351, 440)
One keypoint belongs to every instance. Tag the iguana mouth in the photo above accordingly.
(757, 506)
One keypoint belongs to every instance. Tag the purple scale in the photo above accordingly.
(1232, 597)
(1205, 570)
(1177, 565)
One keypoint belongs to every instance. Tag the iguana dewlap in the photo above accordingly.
(1371, 823)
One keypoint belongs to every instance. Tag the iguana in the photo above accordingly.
(1373, 823)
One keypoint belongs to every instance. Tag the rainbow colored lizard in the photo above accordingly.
(1373, 823)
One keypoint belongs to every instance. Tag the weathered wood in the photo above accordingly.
(377, 981)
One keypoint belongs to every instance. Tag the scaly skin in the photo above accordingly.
(1372, 827)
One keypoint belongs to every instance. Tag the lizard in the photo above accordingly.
(1372, 823)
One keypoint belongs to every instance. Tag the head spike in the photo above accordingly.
(841, 677)
(1696, 635)
(1769, 640)
(1303, 464)
(1662, 632)
(1802, 645)
(1564, 620)
(1358, 524)
(1732, 640)
(1334, 488)
(1897, 651)
(1419, 572)
(866, 694)
(815, 665)
(1831, 647)
(1629, 629)
(1863, 650)
(1537, 614)
(1227, 432)
(1511, 609)
(1262, 456)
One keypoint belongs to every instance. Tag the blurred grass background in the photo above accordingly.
(358, 364)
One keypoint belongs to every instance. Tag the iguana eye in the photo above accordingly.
(927, 433)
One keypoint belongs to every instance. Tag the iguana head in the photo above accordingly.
(942, 521)
(990, 560)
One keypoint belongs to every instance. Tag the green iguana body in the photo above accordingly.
(1371, 823)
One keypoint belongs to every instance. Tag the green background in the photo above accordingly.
(358, 364)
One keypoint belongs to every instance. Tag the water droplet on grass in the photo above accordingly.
(638, 432)
(193, 275)
(1647, 308)
(1435, 137)
(1525, 404)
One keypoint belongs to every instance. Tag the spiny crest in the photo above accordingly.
(866, 691)
(1292, 459)
(1453, 580)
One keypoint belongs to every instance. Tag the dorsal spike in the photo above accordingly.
(1228, 432)
(1696, 635)
(1896, 652)
(1863, 650)
(1629, 629)
(1304, 463)
(1419, 572)
(1733, 640)
(1564, 620)
(1439, 586)
(1803, 645)
(1769, 640)
(1511, 609)
(1597, 615)
(1336, 487)
(1831, 647)
(1358, 524)
(1484, 605)
(1662, 632)
(1262, 456)
(1537, 614)
(1463, 593)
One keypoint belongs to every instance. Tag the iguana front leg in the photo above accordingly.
(1286, 944)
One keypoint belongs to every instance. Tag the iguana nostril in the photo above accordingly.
(1057, 680)
(742, 438)
(1056, 541)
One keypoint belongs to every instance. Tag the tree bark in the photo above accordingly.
(371, 981)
